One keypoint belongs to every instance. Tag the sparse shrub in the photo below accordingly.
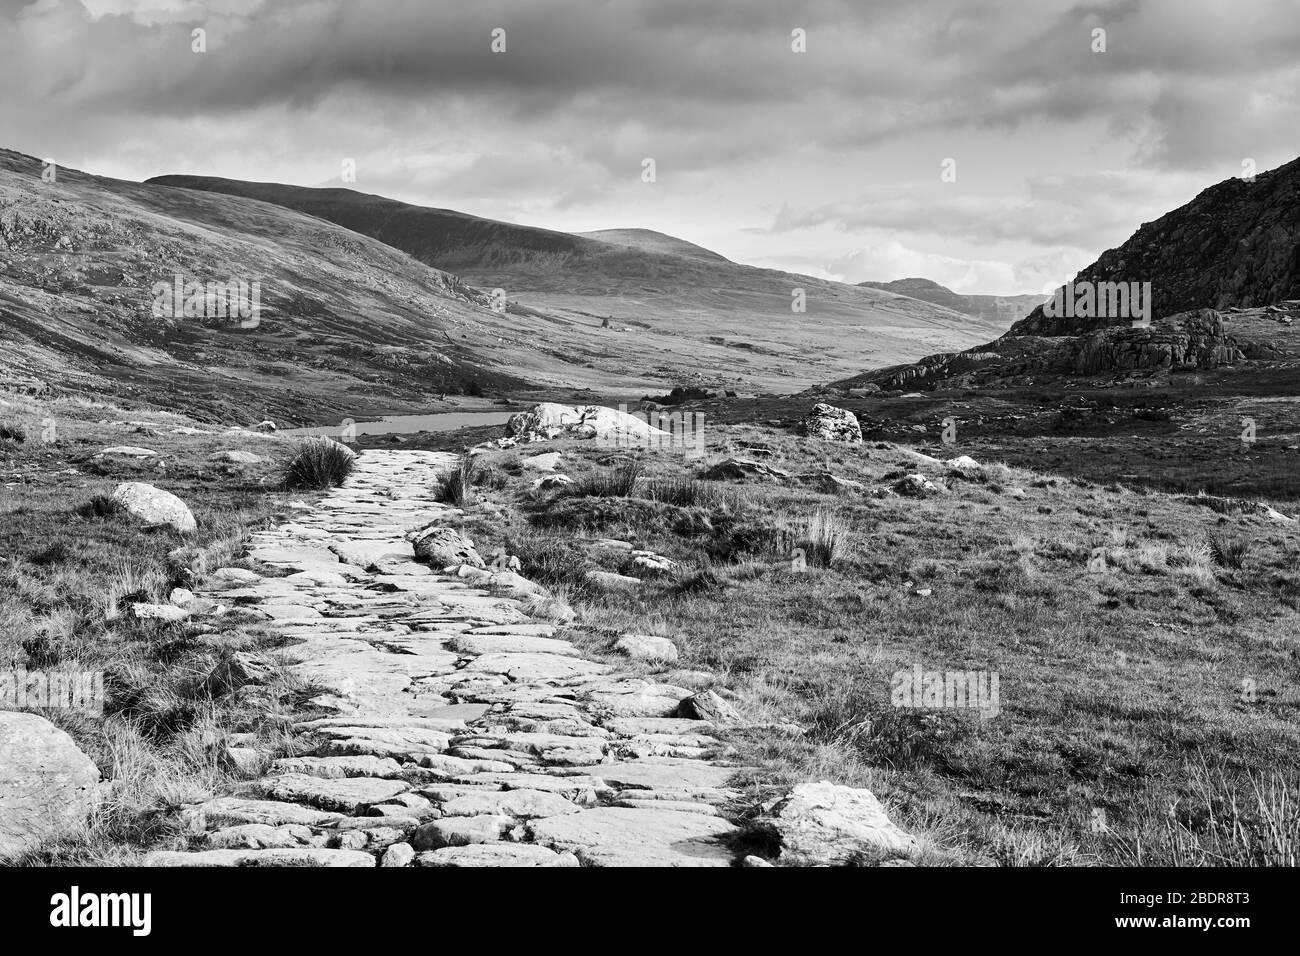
(691, 492)
(457, 486)
(903, 738)
(318, 464)
(550, 561)
(620, 482)
(1229, 551)
(824, 538)
(101, 506)
(704, 581)
(56, 553)
(12, 431)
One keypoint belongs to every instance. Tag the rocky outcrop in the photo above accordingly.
(47, 785)
(1233, 245)
(831, 424)
(154, 506)
(1193, 340)
(1200, 339)
(548, 421)
(742, 469)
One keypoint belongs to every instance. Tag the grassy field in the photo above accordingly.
(69, 568)
(1144, 644)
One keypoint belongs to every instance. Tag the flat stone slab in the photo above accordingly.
(632, 726)
(619, 836)
(535, 667)
(495, 854)
(662, 773)
(347, 795)
(525, 804)
(231, 811)
(301, 558)
(567, 785)
(462, 831)
(303, 856)
(334, 768)
(512, 644)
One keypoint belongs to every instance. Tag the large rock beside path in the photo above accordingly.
(47, 785)
(548, 420)
(825, 824)
(154, 506)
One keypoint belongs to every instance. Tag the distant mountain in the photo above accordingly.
(635, 305)
(651, 241)
(1001, 309)
(1224, 275)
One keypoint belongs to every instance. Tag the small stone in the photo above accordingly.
(707, 705)
(167, 613)
(399, 854)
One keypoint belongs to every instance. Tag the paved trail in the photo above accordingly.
(463, 733)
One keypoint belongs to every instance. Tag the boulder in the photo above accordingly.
(154, 506)
(442, 547)
(47, 785)
(647, 647)
(653, 563)
(548, 462)
(238, 457)
(825, 824)
(915, 486)
(740, 469)
(547, 482)
(613, 582)
(964, 463)
(830, 484)
(548, 421)
(128, 451)
(238, 670)
(829, 423)
(708, 705)
(168, 613)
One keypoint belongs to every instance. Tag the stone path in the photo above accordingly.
(462, 733)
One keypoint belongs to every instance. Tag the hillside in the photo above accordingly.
(629, 309)
(1224, 275)
(347, 326)
(998, 309)
(1236, 244)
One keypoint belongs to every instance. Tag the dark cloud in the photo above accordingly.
(711, 90)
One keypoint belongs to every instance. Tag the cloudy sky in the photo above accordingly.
(828, 161)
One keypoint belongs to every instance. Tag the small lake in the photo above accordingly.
(407, 424)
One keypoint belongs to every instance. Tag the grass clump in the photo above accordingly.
(457, 486)
(319, 463)
(1229, 551)
(619, 482)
